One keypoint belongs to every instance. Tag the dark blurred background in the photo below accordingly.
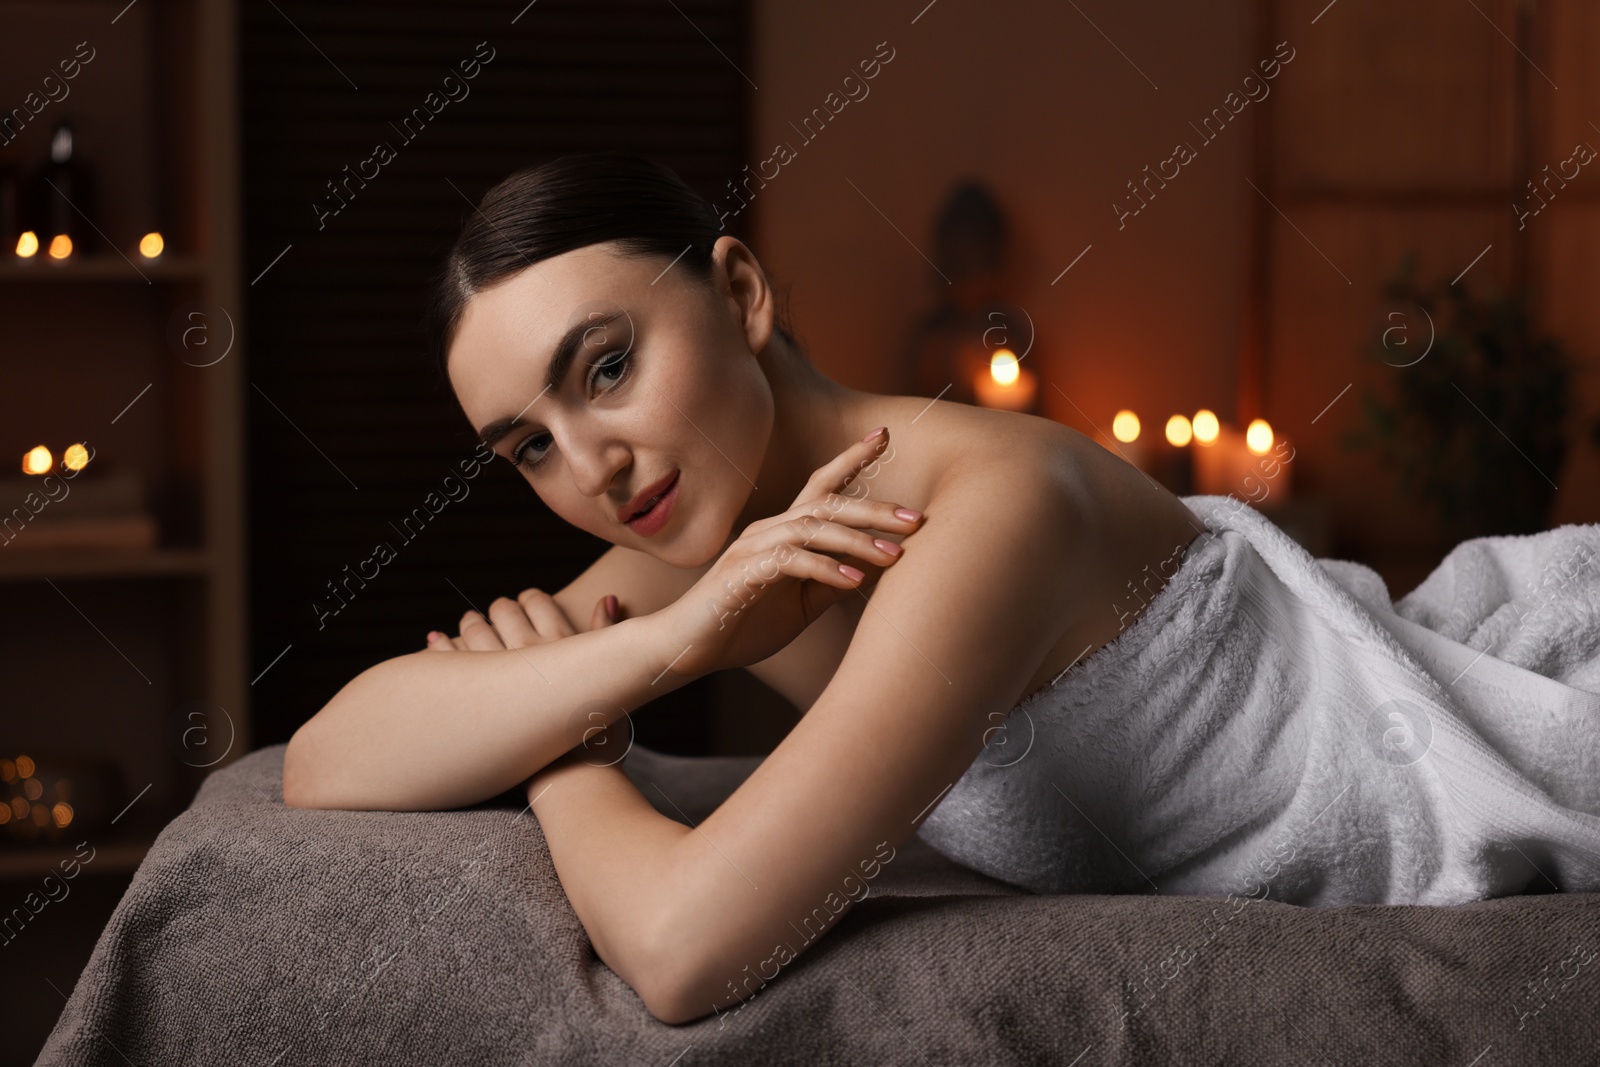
(1357, 234)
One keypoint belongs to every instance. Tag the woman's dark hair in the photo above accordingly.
(568, 203)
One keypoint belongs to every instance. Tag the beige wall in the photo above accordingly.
(1036, 103)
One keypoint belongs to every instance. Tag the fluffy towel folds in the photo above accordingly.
(1273, 725)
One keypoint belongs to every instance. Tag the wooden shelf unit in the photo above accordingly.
(119, 641)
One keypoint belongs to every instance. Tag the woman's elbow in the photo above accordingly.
(299, 780)
(673, 1001)
(293, 786)
(676, 1013)
(665, 975)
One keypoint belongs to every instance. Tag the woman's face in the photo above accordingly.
(662, 382)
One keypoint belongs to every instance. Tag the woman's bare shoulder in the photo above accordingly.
(957, 450)
(963, 450)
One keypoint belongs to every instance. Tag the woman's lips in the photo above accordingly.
(652, 519)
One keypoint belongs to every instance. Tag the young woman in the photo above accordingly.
(906, 572)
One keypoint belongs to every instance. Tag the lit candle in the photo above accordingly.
(1176, 468)
(1131, 446)
(1006, 384)
(27, 245)
(1252, 465)
(60, 247)
(1273, 458)
(36, 460)
(151, 245)
(1258, 437)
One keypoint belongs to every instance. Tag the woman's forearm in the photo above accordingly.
(615, 857)
(431, 731)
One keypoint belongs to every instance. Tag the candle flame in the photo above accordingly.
(60, 246)
(36, 461)
(28, 244)
(1206, 426)
(1125, 426)
(151, 245)
(1258, 436)
(1003, 367)
(1179, 431)
(76, 457)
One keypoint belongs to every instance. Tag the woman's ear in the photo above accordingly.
(743, 283)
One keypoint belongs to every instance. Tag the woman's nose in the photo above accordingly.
(595, 465)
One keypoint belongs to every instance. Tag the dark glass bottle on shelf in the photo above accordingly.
(65, 188)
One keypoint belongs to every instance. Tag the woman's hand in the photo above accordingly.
(779, 576)
(533, 618)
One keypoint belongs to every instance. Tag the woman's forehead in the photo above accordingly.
(518, 322)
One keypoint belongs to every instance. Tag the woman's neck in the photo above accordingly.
(814, 419)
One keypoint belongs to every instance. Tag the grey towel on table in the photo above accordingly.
(255, 934)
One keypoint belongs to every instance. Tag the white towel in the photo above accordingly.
(1273, 725)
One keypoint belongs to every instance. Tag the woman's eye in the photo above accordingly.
(522, 450)
(613, 364)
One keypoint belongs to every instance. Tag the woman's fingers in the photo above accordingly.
(545, 614)
(836, 475)
(511, 623)
(605, 612)
(801, 549)
(846, 512)
(823, 536)
(532, 618)
(478, 634)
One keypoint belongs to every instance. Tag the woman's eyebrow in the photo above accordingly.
(560, 362)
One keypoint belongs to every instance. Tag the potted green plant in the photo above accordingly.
(1477, 427)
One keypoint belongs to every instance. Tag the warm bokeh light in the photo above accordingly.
(1258, 436)
(151, 245)
(32, 788)
(1125, 426)
(1179, 431)
(1206, 426)
(28, 244)
(19, 808)
(1003, 367)
(35, 461)
(25, 767)
(62, 814)
(76, 457)
(60, 246)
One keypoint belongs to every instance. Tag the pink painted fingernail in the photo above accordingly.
(907, 514)
(850, 572)
(875, 433)
(887, 546)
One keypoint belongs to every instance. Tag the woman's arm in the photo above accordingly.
(430, 730)
(952, 633)
(613, 848)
